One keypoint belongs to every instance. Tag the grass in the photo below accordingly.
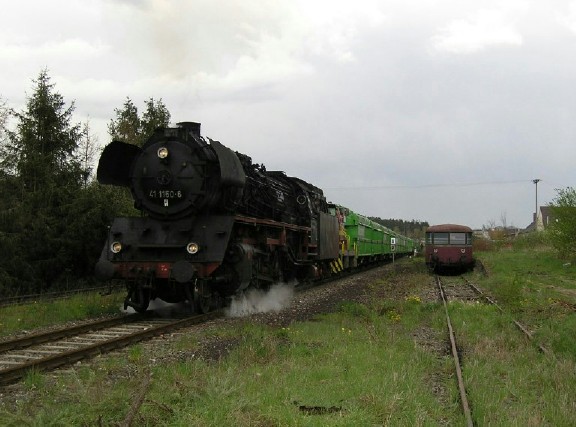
(539, 290)
(346, 368)
(384, 363)
(506, 377)
(16, 318)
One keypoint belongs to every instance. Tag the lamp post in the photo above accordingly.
(536, 181)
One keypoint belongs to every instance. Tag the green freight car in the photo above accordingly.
(363, 241)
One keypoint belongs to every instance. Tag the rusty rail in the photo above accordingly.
(12, 374)
(43, 337)
(457, 363)
(518, 324)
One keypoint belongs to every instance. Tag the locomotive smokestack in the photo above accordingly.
(191, 127)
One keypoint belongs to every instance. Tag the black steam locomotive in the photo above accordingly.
(214, 223)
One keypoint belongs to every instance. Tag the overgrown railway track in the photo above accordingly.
(51, 350)
(463, 293)
(521, 327)
(457, 363)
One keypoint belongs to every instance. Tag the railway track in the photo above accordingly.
(54, 349)
(51, 350)
(462, 294)
(521, 327)
(457, 363)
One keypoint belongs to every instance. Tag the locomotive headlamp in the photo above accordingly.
(192, 248)
(116, 247)
(162, 152)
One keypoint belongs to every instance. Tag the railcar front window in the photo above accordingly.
(441, 238)
(458, 239)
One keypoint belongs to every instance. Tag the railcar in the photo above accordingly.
(363, 241)
(449, 247)
(214, 224)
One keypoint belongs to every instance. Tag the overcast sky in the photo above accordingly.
(442, 111)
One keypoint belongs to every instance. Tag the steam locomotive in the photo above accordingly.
(215, 224)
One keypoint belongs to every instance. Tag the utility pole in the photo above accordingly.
(536, 181)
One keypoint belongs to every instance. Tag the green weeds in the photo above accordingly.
(38, 314)
(381, 363)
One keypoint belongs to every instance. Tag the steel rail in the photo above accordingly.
(44, 337)
(8, 376)
(457, 364)
(518, 324)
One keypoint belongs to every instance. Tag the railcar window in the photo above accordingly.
(441, 238)
(468, 238)
(428, 238)
(457, 238)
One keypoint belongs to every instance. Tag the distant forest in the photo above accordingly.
(414, 229)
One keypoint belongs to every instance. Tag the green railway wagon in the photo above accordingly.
(404, 245)
(364, 241)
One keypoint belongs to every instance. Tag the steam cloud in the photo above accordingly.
(279, 296)
(163, 309)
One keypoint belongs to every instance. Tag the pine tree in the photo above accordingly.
(43, 177)
(88, 148)
(45, 143)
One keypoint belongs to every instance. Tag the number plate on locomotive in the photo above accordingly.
(165, 194)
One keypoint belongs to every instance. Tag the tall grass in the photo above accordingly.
(16, 318)
(538, 288)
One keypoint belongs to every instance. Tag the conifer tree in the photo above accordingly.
(43, 177)
(45, 143)
(88, 148)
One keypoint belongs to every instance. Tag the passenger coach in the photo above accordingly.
(449, 247)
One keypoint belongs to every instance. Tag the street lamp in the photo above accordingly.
(536, 181)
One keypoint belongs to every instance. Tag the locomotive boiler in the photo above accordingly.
(213, 223)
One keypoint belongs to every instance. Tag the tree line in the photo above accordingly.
(54, 214)
(413, 229)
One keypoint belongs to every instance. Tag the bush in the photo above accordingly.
(563, 227)
(534, 240)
